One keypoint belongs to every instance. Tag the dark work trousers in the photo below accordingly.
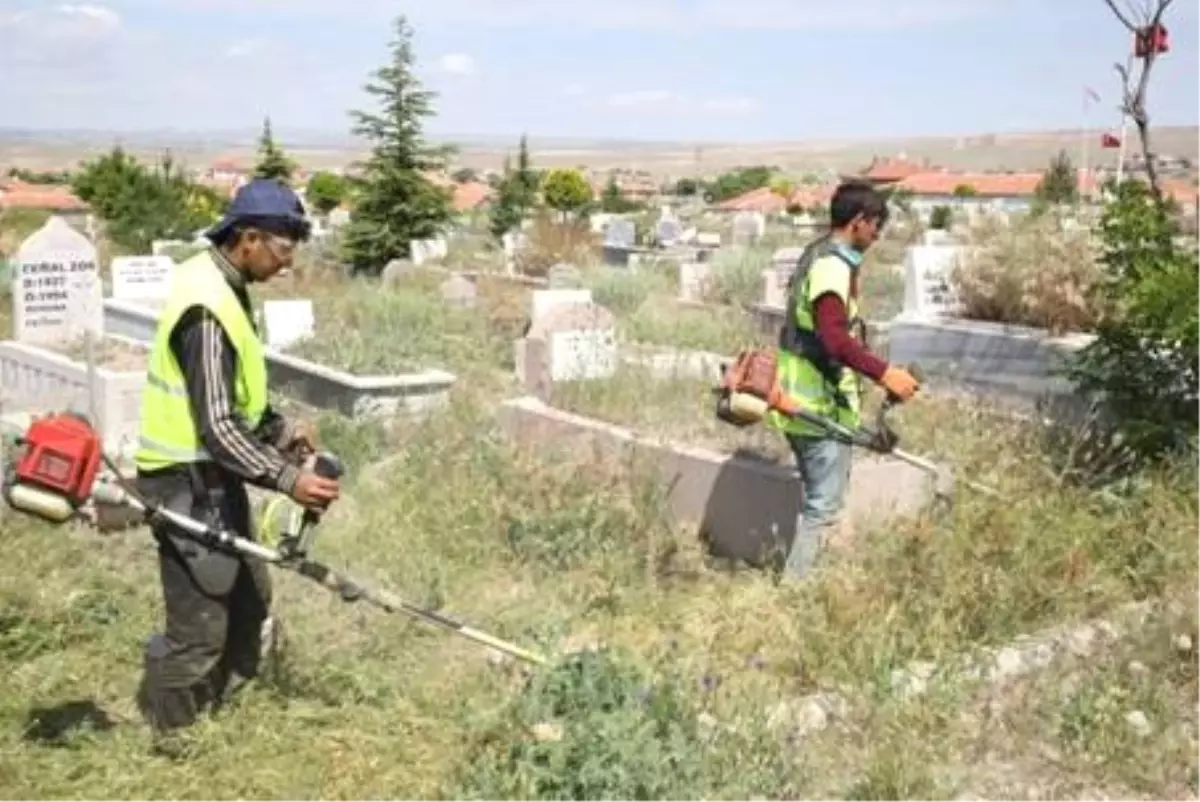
(216, 604)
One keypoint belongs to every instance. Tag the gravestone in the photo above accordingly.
(573, 342)
(774, 288)
(545, 301)
(287, 322)
(687, 236)
(668, 231)
(748, 227)
(695, 280)
(459, 291)
(57, 293)
(396, 270)
(141, 277)
(708, 239)
(427, 250)
(514, 243)
(620, 237)
(339, 217)
(563, 276)
(927, 290)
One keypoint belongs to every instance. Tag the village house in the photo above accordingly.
(51, 198)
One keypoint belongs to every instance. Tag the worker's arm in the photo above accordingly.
(833, 330)
(209, 365)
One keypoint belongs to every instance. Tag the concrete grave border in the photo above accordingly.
(745, 508)
(315, 384)
(35, 379)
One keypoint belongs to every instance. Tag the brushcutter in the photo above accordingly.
(749, 389)
(55, 477)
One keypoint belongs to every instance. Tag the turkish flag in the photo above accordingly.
(1110, 141)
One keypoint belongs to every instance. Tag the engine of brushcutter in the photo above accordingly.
(55, 466)
(752, 375)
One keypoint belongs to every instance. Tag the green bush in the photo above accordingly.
(939, 217)
(1143, 364)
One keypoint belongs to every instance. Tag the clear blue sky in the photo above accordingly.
(646, 69)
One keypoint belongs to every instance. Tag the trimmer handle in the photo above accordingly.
(327, 466)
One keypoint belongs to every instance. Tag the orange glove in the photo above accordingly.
(899, 383)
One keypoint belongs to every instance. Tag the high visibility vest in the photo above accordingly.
(169, 435)
(806, 372)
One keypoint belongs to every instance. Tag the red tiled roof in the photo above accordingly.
(986, 185)
(470, 195)
(766, 201)
(888, 170)
(46, 197)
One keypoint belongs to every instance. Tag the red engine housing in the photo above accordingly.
(62, 454)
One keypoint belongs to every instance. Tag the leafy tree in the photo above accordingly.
(1059, 183)
(687, 187)
(566, 190)
(965, 191)
(34, 177)
(272, 161)
(139, 205)
(464, 175)
(397, 203)
(507, 210)
(738, 182)
(326, 191)
(1145, 359)
(613, 199)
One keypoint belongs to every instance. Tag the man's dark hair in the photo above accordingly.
(853, 198)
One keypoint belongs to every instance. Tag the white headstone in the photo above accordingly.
(287, 322)
(775, 288)
(57, 293)
(545, 301)
(927, 290)
(581, 340)
(141, 277)
(620, 233)
(708, 239)
(694, 281)
(426, 250)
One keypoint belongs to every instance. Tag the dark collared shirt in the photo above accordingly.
(209, 363)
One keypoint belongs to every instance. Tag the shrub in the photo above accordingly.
(551, 242)
(939, 217)
(736, 276)
(1144, 361)
(1033, 273)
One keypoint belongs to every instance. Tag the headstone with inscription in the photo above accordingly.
(141, 277)
(57, 293)
(927, 290)
(573, 342)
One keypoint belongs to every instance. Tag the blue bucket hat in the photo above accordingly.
(268, 202)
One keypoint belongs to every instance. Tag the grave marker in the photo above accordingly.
(708, 239)
(141, 277)
(459, 291)
(668, 231)
(695, 280)
(57, 294)
(545, 301)
(748, 227)
(287, 322)
(396, 270)
(580, 343)
(620, 233)
(927, 290)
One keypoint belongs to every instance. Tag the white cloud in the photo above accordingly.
(246, 48)
(457, 64)
(64, 22)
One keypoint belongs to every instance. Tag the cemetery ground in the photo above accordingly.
(701, 685)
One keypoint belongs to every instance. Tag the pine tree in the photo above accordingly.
(398, 203)
(1059, 183)
(272, 161)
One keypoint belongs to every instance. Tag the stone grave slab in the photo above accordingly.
(545, 301)
(57, 293)
(580, 343)
(695, 280)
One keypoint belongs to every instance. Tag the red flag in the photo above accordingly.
(1110, 140)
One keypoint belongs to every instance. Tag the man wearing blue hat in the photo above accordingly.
(207, 429)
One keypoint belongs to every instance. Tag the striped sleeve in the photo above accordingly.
(210, 368)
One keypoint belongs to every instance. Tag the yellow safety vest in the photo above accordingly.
(169, 435)
(832, 390)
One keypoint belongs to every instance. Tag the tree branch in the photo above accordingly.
(1112, 4)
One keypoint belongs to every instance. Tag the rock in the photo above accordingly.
(914, 680)
(547, 731)
(806, 716)
(1138, 722)
(1081, 640)
(1182, 644)
(1138, 669)
(1007, 664)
